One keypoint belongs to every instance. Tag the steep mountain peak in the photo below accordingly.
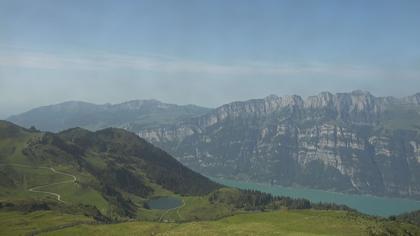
(345, 103)
(292, 100)
(361, 100)
(272, 97)
(326, 94)
(265, 105)
(359, 105)
(324, 99)
(274, 102)
(361, 93)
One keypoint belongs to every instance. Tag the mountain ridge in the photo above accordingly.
(353, 142)
(130, 114)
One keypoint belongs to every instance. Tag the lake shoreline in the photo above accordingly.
(365, 203)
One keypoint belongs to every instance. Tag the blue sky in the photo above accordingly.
(203, 52)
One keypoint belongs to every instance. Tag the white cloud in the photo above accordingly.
(163, 64)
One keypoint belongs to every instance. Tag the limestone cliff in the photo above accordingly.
(350, 142)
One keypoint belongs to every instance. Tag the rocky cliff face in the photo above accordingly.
(350, 142)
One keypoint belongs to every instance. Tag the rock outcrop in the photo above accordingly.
(349, 142)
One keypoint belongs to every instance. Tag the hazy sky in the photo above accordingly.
(203, 52)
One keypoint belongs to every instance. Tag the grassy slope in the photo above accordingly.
(18, 223)
(297, 222)
(27, 174)
(23, 171)
(194, 208)
(71, 193)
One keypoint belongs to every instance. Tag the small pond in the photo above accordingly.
(163, 203)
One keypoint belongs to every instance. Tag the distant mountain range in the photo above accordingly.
(131, 115)
(348, 142)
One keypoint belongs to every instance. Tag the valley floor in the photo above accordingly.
(284, 222)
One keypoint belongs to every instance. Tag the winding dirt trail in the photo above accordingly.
(177, 211)
(36, 188)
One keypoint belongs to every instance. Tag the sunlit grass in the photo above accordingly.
(297, 222)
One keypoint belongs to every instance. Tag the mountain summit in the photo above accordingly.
(128, 115)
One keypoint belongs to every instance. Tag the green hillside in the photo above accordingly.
(80, 182)
(114, 170)
(293, 222)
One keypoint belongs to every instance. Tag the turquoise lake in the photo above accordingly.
(380, 206)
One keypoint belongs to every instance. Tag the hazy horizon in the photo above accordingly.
(206, 53)
(211, 107)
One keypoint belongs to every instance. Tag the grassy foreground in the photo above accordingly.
(285, 222)
(18, 223)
